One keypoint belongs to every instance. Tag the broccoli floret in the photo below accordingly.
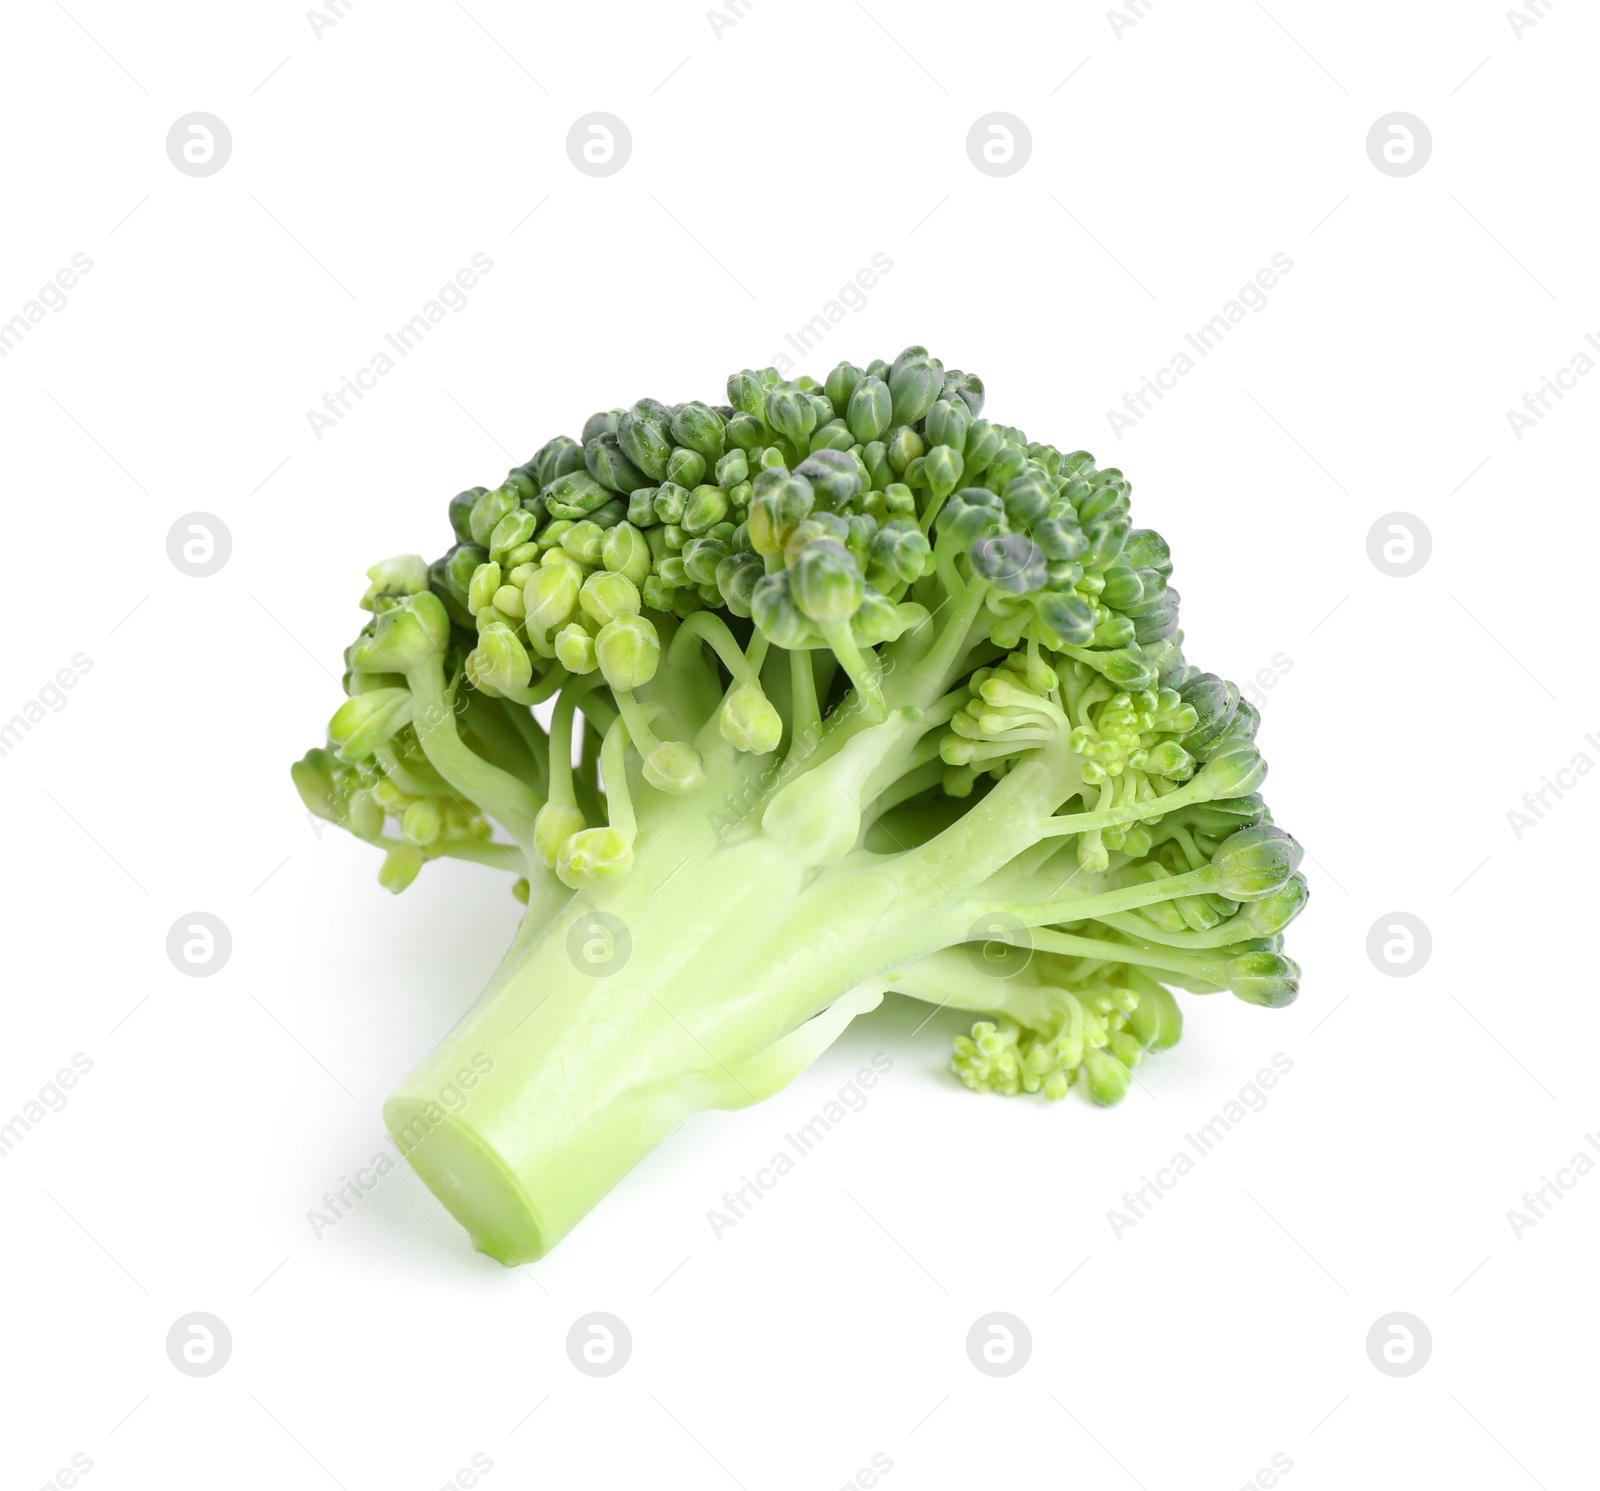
(834, 689)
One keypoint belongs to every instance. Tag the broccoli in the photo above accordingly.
(834, 689)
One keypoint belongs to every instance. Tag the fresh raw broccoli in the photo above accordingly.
(830, 690)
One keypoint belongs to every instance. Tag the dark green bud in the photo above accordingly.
(971, 514)
(574, 496)
(1157, 618)
(670, 502)
(487, 510)
(835, 435)
(556, 458)
(642, 507)
(1267, 979)
(686, 467)
(603, 423)
(1067, 617)
(1272, 913)
(645, 440)
(1123, 587)
(1061, 539)
(780, 619)
(1254, 862)
(701, 556)
(968, 387)
(609, 466)
(747, 432)
(1114, 631)
(1214, 701)
(706, 505)
(1156, 1021)
(876, 620)
(1011, 562)
(983, 445)
(461, 506)
(840, 384)
(899, 554)
(701, 429)
(835, 478)
(875, 458)
(791, 413)
(1027, 500)
(779, 502)
(825, 583)
(941, 470)
(1167, 655)
(737, 577)
(1233, 772)
(1128, 668)
(947, 423)
(412, 633)
(1009, 463)
(904, 446)
(871, 410)
(914, 383)
(1106, 537)
(732, 469)
(1146, 547)
(746, 393)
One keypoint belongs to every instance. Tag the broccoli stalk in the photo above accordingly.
(845, 725)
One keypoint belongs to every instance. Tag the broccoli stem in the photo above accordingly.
(579, 1075)
(503, 796)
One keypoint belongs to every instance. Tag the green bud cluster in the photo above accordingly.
(1098, 1032)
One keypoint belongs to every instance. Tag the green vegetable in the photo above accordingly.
(868, 693)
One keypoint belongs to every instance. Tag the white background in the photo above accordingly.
(369, 163)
